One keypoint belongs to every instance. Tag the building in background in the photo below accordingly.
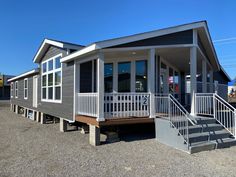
(232, 91)
(4, 86)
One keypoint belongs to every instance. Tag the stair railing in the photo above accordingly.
(168, 107)
(225, 114)
(211, 104)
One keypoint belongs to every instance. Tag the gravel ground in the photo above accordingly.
(30, 149)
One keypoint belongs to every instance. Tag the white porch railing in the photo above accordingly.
(218, 108)
(87, 104)
(169, 108)
(204, 104)
(124, 105)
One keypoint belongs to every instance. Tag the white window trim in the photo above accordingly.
(12, 89)
(26, 97)
(132, 60)
(16, 89)
(53, 100)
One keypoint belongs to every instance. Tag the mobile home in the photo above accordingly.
(167, 77)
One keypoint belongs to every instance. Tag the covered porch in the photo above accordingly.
(125, 82)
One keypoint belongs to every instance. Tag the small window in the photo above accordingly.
(12, 89)
(50, 65)
(25, 88)
(141, 76)
(44, 96)
(44, 67)
(108, 77)
(44, 82)
(58, 78)
(50, 93)
(50, 79)
(58, 93)
(16, 89)
(124, 74)
(57, 63)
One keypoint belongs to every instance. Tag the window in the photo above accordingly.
(176, 82)
(171, 80)
(141, 76)
(108, 77)
(124, 77)
(16, 89)
(12, 89)
(44, 68)
(51, 79)
(26, 88)
(50, 65)
(57, 63)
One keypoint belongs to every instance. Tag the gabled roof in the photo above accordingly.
(50, 42)
(25, 74)
(132, 38)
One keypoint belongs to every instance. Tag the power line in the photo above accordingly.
(224, 40)
(223, 43)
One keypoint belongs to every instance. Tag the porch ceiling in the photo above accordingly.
(179, 58)
(176, 57)
(124, 54)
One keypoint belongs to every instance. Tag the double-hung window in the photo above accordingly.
(51, 81)
(26, 88)
(12, 89)
(16, 89)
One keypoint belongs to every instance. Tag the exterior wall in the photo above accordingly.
(185, 37)
(28, 103)
(222, 89)
(52, 51)
(218, 76)
(65, 108)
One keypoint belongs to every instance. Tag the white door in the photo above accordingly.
(35, 91)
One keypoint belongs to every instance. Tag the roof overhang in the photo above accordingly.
(225, 73)
(48, 42)
(132, 38)
(200, 26)
(32, 72)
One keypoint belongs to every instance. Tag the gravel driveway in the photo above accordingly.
(30, 149)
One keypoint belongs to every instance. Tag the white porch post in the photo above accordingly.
(193, 73)
(100, 87)
(115, 77)
(133, 72)
(151, 81)
(204, 76)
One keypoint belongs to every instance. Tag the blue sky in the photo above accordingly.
(25, 23)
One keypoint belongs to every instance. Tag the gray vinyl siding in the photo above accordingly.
(53, 51)
(185, 37)
(220, 77)
(65, 108)
(28, 103)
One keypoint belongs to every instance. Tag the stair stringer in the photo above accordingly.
(168, 135)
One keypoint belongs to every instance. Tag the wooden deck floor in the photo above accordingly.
(114, 121)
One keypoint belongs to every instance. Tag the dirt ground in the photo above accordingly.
(29, 149)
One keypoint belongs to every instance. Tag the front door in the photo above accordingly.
(35, 91)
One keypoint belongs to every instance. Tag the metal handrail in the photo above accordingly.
(229, 105)
(183, 110)
(226, 119)
(175, 122)
(212, 104)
